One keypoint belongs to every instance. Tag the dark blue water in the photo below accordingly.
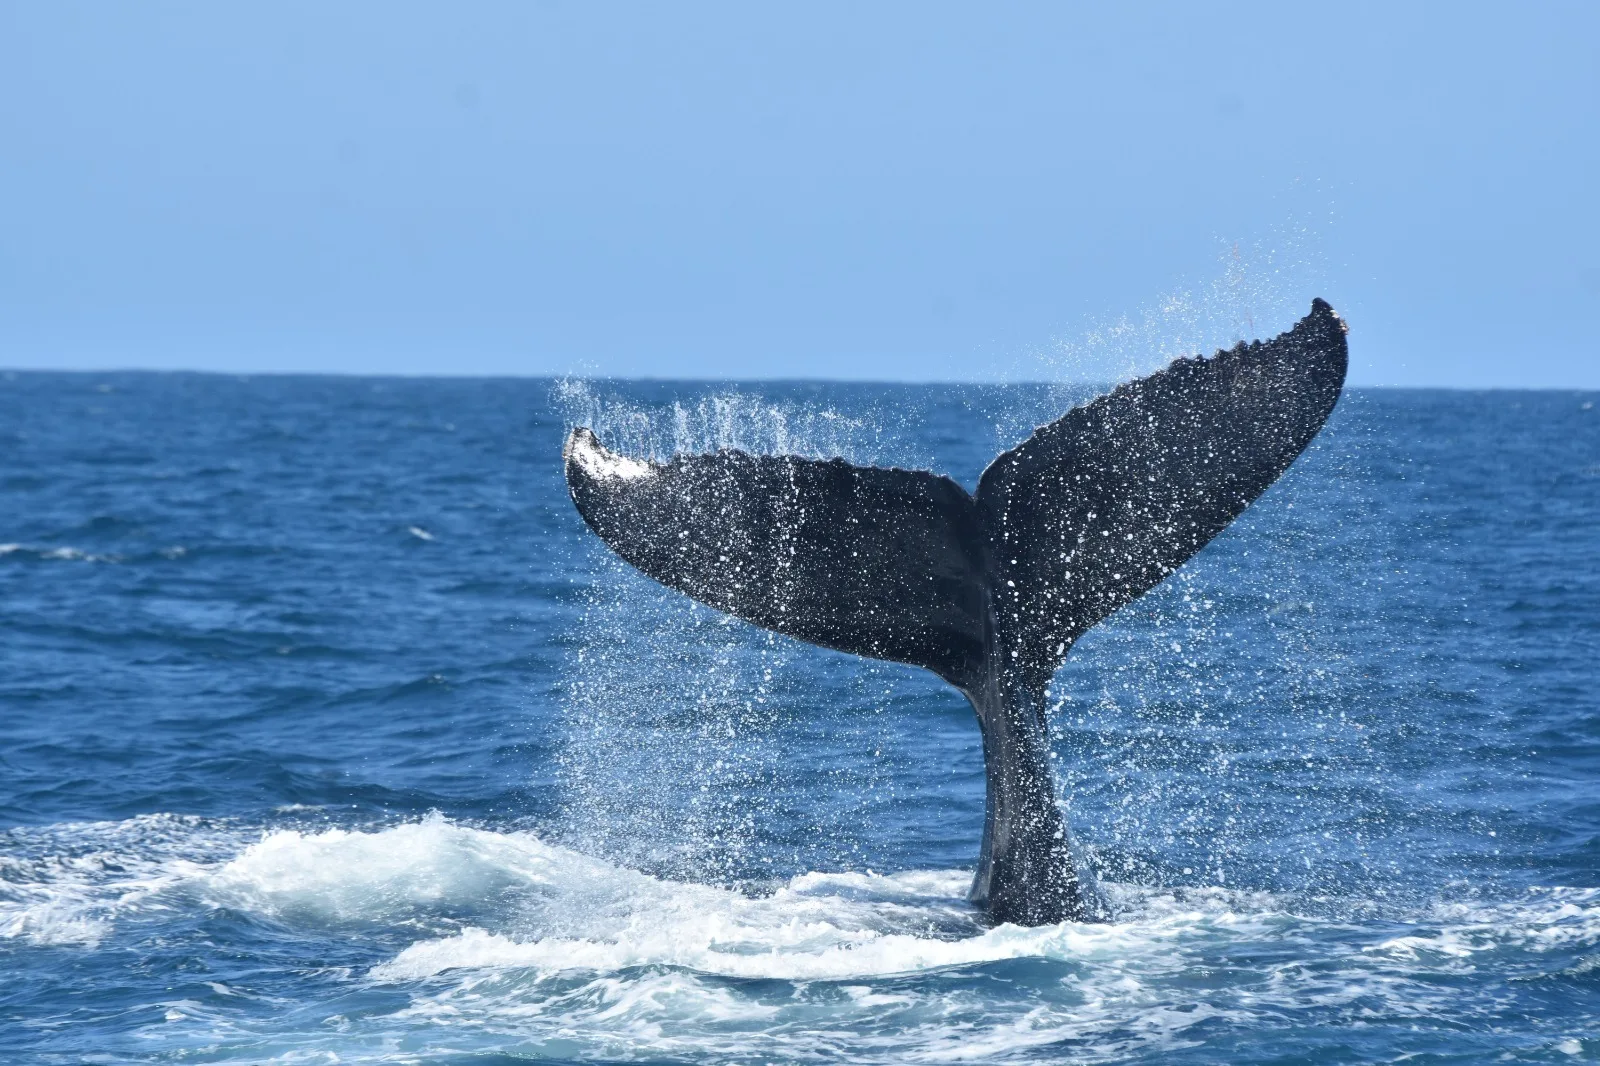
(327, 734)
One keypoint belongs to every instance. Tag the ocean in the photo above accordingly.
(328, 734)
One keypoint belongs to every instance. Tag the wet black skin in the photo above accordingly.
(987, 590)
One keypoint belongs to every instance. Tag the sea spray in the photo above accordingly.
(685, 750)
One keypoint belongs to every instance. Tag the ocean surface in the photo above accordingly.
(329, 735)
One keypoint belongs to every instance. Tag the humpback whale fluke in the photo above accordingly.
(990, 590)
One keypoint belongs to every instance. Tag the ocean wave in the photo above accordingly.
(518, 943)
(69, 554)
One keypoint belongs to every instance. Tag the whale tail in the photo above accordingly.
(989, 590)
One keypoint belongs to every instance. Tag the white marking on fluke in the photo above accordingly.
(585, 450)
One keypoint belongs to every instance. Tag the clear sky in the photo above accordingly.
(862, 190)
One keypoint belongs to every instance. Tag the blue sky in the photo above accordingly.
(878, 191)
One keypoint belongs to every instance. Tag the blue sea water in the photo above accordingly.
(329, 735)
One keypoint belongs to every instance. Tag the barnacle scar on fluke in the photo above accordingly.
(988, 591)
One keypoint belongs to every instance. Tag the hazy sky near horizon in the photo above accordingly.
(883, 191)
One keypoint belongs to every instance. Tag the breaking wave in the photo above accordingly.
(502, 940)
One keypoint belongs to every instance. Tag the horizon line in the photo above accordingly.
(10, 372)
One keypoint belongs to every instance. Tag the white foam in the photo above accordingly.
(52, 922)
(524, 945)
(68, 885)
(791, 951)
(374, 876)
(62, 554)
(818, 926)
(1546, 920)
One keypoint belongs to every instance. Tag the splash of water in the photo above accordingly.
(682, 729)
(675, 710)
